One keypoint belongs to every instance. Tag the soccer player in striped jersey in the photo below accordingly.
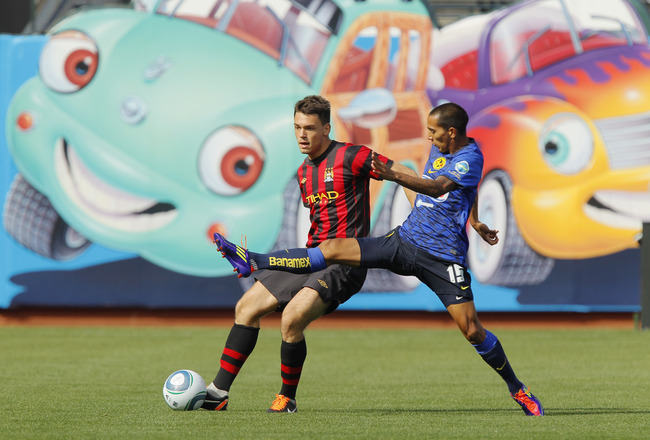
(334, 183)
(431, 244)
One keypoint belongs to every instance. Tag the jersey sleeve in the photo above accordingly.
(466, 168)
(362, 162)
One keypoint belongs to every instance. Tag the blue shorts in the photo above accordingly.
(450, 281)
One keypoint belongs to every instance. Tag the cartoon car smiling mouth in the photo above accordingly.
(619, 209)
(104, 203)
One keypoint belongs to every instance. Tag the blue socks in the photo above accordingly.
(487, 345)
(298, 260)
(493, 354)
(317, 259)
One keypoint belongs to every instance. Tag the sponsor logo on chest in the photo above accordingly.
(324, 197)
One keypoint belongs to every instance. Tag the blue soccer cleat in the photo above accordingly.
(236, 255)
(529, 403)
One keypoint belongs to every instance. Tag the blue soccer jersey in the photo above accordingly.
(437, 225)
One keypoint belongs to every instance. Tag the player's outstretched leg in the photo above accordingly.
(529, 403)
(297, 260)
(236, 255)
(493, 354)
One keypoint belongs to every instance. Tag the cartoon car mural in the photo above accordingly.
(558, 95)
(148, 129)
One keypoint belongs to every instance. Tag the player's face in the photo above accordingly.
(441, 137)
(312, 135)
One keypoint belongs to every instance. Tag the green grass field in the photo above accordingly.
(106, 383)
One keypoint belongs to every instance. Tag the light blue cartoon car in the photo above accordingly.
(150, 128)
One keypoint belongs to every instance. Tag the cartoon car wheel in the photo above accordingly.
(32, 221)
(511, 262)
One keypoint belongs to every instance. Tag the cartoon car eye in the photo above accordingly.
(68, 61)
(231, 160)
(567, 143)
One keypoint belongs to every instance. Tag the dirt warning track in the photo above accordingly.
(44, 316)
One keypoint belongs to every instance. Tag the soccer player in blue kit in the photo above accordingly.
(431, 244)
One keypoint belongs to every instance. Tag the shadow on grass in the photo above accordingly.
(549, 412)
(592, 411)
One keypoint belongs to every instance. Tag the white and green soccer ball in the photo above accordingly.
(184, 390)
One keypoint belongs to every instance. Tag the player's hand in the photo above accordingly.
(390, 171)
(379, 167)
(490, 236)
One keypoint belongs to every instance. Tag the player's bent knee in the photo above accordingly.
(294, 323)
(328, 248)
(254, 305)
(335, 249)
(292, 331)
(474, 334)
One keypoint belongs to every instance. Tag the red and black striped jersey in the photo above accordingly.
(336, 189)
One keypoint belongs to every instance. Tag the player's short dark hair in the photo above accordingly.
(451, 115)
(314, 105)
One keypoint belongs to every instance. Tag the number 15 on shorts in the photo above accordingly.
(456, 273)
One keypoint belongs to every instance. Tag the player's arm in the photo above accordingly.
(410, 194)
(487, 234)
(406, 177)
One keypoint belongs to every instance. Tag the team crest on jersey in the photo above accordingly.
(462, 167)
(439, 163)
(329, 175)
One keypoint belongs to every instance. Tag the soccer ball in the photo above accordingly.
(184, 390)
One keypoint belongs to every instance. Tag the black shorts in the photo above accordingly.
(334, 284)
(450, 281)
